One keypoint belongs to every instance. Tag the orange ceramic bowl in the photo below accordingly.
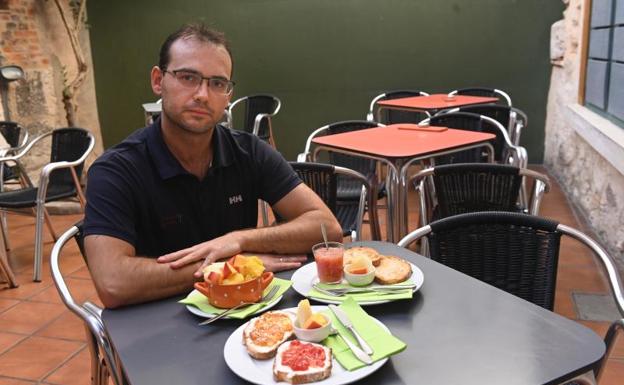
(227, 296)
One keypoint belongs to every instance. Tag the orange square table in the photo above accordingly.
(432, 103)
(399, 146)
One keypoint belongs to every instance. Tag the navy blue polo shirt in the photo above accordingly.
(138, 191)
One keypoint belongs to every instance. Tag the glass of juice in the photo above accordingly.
(328, 259)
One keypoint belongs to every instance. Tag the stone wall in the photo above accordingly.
(33, 37)
(579, 150)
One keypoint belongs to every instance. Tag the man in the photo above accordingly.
(182, 193)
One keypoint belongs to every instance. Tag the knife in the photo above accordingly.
(359, 353)
(344, 319)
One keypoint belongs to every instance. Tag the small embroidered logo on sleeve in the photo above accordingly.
(236, 199)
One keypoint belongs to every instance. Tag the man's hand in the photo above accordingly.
(275, 263)
(208, 252)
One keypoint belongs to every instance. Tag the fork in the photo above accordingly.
(266, 298)
(378, 289)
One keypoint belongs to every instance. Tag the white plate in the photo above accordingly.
(200, 313)
(261, 371)
(306, 276)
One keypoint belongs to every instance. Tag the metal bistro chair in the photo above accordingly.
(391, 116)
(16, 137)
(348, 188)
(505, 152)
(483, 91)
(517, 253)
(453, 189)
(323, 180)
(104, 360)
(512, 118)
(259, 111)
(59, 179)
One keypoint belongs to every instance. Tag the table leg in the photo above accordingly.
(4, 263)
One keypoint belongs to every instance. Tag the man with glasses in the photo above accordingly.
(183, 192)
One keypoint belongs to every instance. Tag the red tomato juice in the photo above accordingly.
(329, 264)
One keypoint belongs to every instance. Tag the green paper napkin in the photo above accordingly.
(197, 299)
(382, 342)
(362, 297)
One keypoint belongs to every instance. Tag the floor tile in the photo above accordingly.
(67, 326)
(80, 289)
(50, 353)
(14, 381)
(28, 317)
(27, 288)
(8, 340)
(613, 373)
(77, 371)
(7, 304)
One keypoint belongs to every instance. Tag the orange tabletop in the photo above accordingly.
(436, 101)
(402, 140)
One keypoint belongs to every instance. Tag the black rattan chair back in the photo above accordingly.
(514, 252)
(259, 104)
(487, 92)
(497, 112)
(322, 179)
(469, 187)
(11, 131)
(392, 116)
(68, 144)
(469, 122)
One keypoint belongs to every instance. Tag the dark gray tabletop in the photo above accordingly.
(457, 330)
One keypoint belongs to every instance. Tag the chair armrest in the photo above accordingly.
(303, 157)
(368, 194)
(48, 168)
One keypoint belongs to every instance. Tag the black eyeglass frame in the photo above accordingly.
(230, 83)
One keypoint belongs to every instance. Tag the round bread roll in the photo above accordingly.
(367, 252)
(392, 270)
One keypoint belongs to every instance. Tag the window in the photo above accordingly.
(604, 81)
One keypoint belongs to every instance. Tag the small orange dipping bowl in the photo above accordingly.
(227, 296)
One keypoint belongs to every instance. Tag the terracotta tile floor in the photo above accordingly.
(42, 342)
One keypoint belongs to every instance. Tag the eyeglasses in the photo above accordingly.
(193, 80)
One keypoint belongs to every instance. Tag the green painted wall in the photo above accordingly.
(326, 59)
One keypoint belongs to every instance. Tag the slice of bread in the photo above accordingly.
(264, 334)
(392, 270)
(311, 374)
(367, 252)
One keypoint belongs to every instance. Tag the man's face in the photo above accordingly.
(192, 110)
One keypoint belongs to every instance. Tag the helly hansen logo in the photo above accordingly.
(236, 199)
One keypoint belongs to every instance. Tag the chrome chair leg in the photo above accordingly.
(38, 243)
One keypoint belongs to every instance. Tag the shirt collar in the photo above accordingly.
(169, 167)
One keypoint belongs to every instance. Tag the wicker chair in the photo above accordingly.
(388, 116)
(512, 118)
(323, 180)
(348, 188)
(483, 91)
(453, 189)
(259, 111)
(505, 151)
(517, 253)
(104, 361)
(59, 179)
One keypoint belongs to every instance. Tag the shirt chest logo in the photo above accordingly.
(234, 199)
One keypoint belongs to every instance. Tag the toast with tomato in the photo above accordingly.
(300, 362)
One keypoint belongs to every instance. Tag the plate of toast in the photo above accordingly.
(265, 351)
(389, 270)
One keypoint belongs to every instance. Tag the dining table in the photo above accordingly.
(399, 146)
(431, 103)
(458, 330)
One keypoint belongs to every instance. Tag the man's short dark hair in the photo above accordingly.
(193, 31)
